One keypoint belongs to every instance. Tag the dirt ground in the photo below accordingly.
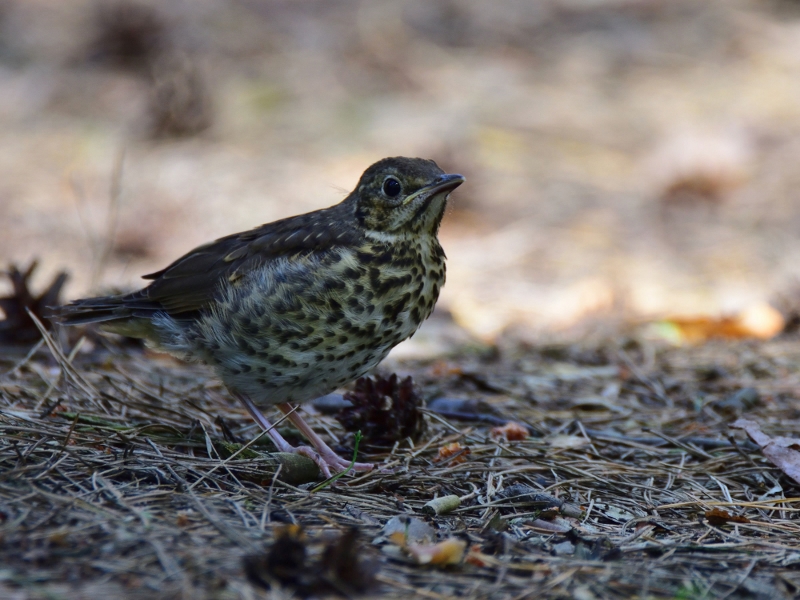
(116, 480)
(632, 170)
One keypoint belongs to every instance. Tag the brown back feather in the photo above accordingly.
(189, 283)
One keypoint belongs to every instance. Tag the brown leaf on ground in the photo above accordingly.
(759, 321)
(717, 517)
(782, 452)
(511, 431)
(444, 369)
(415, 538)
(446, 552)
(477, 558)
(454, 453)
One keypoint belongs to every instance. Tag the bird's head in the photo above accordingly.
(403, 195)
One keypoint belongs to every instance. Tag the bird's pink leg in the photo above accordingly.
(327, 454)
(325, 458)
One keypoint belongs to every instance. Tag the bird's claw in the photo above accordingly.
(330, 463)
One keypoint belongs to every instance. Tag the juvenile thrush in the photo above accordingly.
(294, 309)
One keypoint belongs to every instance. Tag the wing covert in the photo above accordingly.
(189, 283)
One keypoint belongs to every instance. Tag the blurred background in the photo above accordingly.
(626, 160)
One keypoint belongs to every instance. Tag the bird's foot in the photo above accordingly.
(322, 454)
(328, 461)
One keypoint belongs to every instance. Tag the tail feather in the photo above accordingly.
(127, 315)
(104, 309)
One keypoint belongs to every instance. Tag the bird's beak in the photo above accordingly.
(445, 183)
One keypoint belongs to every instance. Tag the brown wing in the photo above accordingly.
(189, 283)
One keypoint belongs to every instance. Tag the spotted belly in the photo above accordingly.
(298, 329)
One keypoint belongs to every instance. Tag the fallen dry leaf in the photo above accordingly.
(511, 431)
(182, 520)
(716, 516)
(444, 369)
(782, 452)
(455, 453)
(447, 552)
(477, 558)
(398, 538)
(758, 321)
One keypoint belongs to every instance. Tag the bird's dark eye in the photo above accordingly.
(391, 187)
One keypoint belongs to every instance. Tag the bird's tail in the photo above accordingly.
(129, 315)
(92, 310)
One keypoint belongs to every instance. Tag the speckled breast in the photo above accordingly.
(303, 326)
